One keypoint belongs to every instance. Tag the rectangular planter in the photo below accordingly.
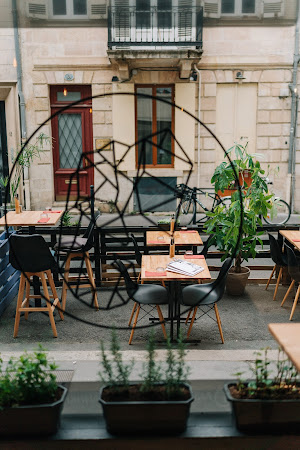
(31, 420)
(264, 416)
(160, 417)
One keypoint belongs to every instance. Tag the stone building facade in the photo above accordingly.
(243, 67)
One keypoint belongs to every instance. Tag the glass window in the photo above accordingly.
(59, 7)
(248, 6)
(70, 140)
(70, 97)
(155, 124)
(143, 14)
(79, 7)
(164, 16)
(227, 6)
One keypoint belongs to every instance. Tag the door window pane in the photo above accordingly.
(144, 126)
(227, 6)
(70, 97)
(248, 6)
(164, 126)
(79, 7)
(143, 18)
(59, 8)
(70, 140)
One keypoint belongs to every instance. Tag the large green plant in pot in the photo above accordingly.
(234, 227)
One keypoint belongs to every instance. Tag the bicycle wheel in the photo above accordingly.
(279, 214)
(226, 201)
(186, 207)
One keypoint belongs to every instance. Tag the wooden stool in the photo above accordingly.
(67, 282)
(23, 305)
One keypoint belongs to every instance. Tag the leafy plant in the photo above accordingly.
(28, 380)
(284, 383)
(234, 227)
(29, 153)
(152, 371)
(66, 219)
(115, 373)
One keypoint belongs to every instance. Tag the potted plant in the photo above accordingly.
(234, 228)
(267, 403)
(30, 398)
(159, 403)
(164, 224)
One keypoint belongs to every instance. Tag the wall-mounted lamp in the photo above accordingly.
(284, 92)
(193, 75)
(239, 76)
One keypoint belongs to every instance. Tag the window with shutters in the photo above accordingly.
(239, 7)
(71, 9)
(157, 22)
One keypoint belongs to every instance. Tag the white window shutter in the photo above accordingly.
(186, 19)
(37, 9)
(212, 8)
(97, 9)
(273, 8)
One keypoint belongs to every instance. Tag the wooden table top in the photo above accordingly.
(291, 236)
(180, 237)
(151, 262)
(30, 218)
(288, 337)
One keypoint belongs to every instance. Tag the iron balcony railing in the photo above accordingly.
(176, 27)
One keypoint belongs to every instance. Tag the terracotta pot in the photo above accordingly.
(236, 282)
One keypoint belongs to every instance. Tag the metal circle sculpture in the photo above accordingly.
(109, 170)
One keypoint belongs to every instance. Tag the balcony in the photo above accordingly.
(168, 36)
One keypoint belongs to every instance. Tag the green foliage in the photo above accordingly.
(28, 380)
(66, 219)
(234, 228)
(152, 371)
(29, 153)
(265, 383)
(176, 372)
(115, 372)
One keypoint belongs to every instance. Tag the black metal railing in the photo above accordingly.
(176, 27)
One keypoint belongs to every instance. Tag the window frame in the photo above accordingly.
(238, 9)
(154, 126)
(69, 12)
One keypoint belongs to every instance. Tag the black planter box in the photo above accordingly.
(265, 416)
(28, 420)
(166, 417)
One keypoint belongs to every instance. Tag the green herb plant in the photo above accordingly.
(115, 373)
(234, 228)
(266, 384)
(28, 380)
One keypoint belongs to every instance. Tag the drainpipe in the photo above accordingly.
(21, 98)
(199, 126)
(294, 113)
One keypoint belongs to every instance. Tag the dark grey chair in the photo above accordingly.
(280, 260)
(196, 296)
(31, 255)
(78, 246)
(143, 294)
(294, 271)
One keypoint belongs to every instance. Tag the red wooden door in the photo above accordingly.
(72, 139)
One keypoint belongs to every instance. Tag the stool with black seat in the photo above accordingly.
(78, 247)
(143, 294)
(294, 271)
(280, 260)
(31, 255)
(199, 295)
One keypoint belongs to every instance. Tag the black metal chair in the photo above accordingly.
(196, 296)
(143, 294)
(31, 255)
(280, 260)
(206, 246)
(74, 247)
(294, 271)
